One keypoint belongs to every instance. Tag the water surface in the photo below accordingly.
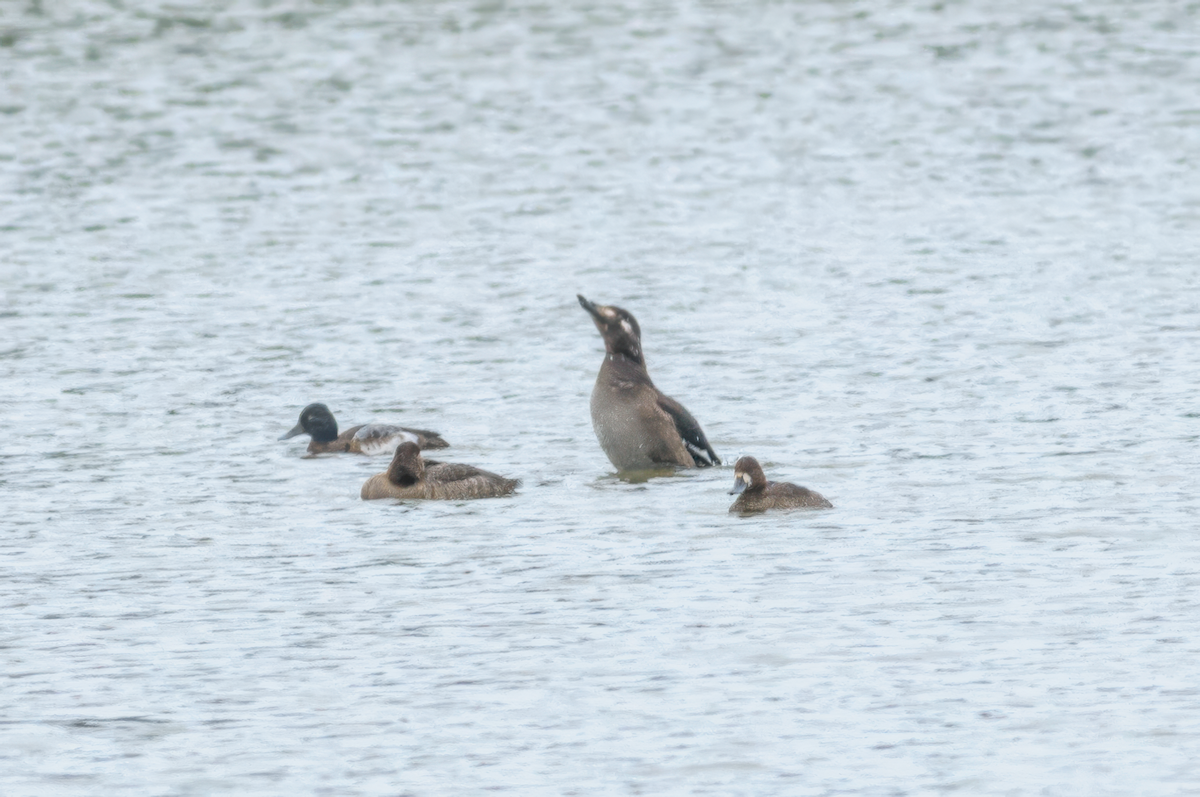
(937, 262)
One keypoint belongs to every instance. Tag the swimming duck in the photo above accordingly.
(638, 426)
(374, 438)
(409, 476)
(758, 495)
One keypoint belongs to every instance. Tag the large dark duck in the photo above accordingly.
(318, 422)
(409, 476)
(638, 426)
(758, 495)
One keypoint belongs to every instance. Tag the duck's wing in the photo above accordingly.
(693, 436)
(795, 495)
(457, 481)
(382, 438)
(428, 439)
(398, 434)
(454, 472)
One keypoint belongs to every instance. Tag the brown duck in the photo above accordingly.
(638, 426)
(409, 476)
(758, 495)
(318, 422)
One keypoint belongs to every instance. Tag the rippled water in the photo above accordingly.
(937, 261)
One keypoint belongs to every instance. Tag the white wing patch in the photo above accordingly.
(378, 438)
(697, 451)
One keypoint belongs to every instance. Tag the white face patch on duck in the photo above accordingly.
(625, 325)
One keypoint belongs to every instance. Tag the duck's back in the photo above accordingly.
(453, 481)
(377, 438)
(787, 495)
(383, 438)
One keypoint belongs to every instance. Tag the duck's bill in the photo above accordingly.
(589, 306)
(297, 429)
(738, 486)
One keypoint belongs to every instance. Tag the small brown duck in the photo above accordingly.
(638, 426)
(374, 438)
(756, 494)
(411, 477)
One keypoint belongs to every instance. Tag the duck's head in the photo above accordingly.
(316, 421)
(618, 327)
(747, 473)
(407, 468)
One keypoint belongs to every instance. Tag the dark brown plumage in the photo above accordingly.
(758, 495)
(410, 476)
(374, 438)
(638, 426)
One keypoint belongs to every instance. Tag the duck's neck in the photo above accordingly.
(625, 369)
(324, 432)
(626, 357)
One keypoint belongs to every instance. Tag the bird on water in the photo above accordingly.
(410, 476)
(318, 422)
(638, 426)
(756, 494)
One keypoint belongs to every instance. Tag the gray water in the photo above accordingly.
(937, 261)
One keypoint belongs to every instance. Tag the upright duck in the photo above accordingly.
(638, 426)
(409, 476)
(318, 422)
(758, 495)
